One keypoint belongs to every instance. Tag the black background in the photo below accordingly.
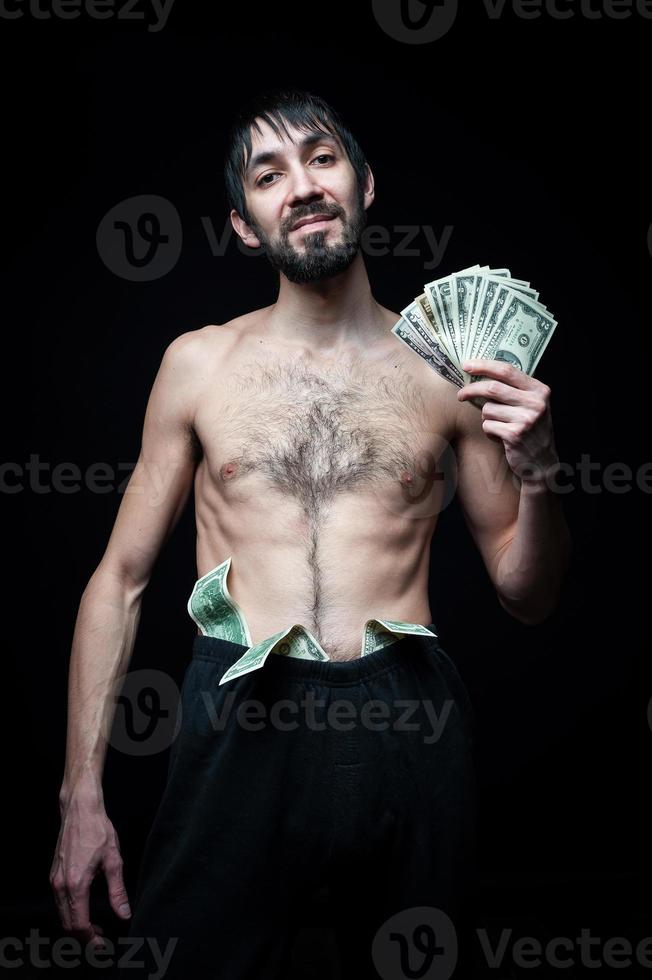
(528, 137)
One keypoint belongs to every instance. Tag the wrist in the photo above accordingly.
(541, 477)
(85, 788)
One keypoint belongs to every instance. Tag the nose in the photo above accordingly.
(303, 188)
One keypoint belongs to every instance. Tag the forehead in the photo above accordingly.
(265, 138)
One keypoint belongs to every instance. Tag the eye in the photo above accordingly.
(263, 182)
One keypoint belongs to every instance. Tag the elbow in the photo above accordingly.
(116, 580)
(540, 594)
(529, 614)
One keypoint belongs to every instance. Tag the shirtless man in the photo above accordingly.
(315, 441)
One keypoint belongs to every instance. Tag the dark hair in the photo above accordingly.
(304, 110)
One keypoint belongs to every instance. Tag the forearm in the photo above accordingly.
(103, 641)
(533, 565)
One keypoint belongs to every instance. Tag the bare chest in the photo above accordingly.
(312, 433)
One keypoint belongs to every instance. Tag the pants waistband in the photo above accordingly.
(226, 652)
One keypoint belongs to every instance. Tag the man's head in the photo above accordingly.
(289, 158)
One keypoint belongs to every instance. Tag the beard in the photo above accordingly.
(316, 260)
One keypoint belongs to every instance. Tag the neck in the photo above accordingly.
(329, 315)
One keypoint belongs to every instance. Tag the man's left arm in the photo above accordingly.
(506, 462)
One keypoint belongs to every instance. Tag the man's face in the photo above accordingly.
(288, 182)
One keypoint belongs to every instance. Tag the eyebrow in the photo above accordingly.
(268, 156)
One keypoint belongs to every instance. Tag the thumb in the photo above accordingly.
(117, 892)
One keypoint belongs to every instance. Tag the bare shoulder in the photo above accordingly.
(191, 353)
(188, 349)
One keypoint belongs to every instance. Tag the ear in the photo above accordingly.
(242, 229)
(369, 193)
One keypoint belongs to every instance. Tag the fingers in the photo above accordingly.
(495, 390)
(58, 886)
(76, 901)
(94, 847)
(509, 432)
(502, 382)
(494, 410)
(80, 925)
(61, 901)
(501, 371)
(534, 400)
(71, 896)
(117, 891)
(77, 890)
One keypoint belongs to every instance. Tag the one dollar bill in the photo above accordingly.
(476, 313)
(217, 614)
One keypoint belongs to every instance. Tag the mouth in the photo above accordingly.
(315, 219)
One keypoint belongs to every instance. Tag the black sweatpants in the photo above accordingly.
(276, 792)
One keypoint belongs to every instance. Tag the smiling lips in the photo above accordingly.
(312, 219)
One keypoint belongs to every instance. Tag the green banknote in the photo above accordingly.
(214, 610)
(379, 633)
(217, 614)
(522, 333)
(417, 319)
(296, 641)
(476, 313)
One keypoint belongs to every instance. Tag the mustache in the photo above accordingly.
(331, 211)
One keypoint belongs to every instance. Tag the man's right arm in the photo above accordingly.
(106, 626)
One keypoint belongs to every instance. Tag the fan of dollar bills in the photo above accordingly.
(476, 313)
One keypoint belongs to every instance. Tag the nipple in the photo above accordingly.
(229, 470)
(406, 478)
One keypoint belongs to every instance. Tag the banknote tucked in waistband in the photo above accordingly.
(217, 614)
